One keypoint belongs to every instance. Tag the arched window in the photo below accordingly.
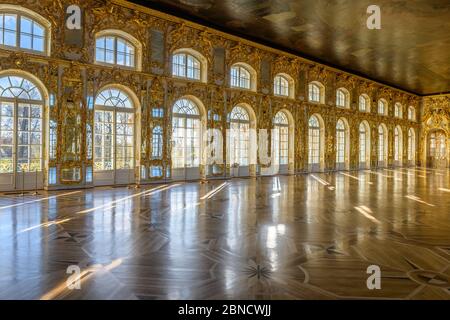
(382, 144)
(398, 143)
(342, 98)
(340, 142)
(316, 92)
(314, 141)
(411, 146)
(283, 85)
(187, 66)
(115, 47)
(364, 145)
(114, 120)
(23, 29)
(364, 103)
(411, 113)
(21, 114)
(281, 138)
(243, 76)
(186, 128)
(239, 138)
(382, 107)
(157, 142)
(398, 110)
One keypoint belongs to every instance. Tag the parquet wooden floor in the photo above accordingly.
(287, 237)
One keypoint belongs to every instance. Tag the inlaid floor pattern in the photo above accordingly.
(287, 237)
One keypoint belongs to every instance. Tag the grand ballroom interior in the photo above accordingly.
(234, 149)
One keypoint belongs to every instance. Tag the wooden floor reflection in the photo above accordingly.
(286, 237)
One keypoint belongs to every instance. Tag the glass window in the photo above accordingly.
(363, 103)
(157, 112)
(398, 110)
(382, 107)
(341, 98)
(340, 142)
(397, 144)
(412, 114)
(240, 77)
(113, 131)
(20, 31)
(21, 114)
(381, 143)
(186, 66)
(239, 136)
(114, 50)
(186, 133)
(314, 140)
(314, 92)
(281, 139)
(411, 144)
(281, 86)
(363, 134)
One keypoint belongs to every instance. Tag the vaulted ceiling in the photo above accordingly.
(410, 52)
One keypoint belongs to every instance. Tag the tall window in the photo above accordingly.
(21, 111)
(281, 138)
(116, 50)
(411, 113)
(186, 134)
(398, 110)
(157, 142)
(113, 131)
(239, 136)
(20, 31)
(364, 103)
(240, 77)
(186, 66)
(411, 144)
(437, 145)
(314, 92)
(314, 140)
(397, 144)
(342, 98)
(382, 107)
(382, 136)
(363, 147)
(281, 86)
(340, 141)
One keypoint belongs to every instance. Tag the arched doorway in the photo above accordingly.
(186, 139)
(382, 145)
(114, 137)
(239, 141)
(316, 139)
(411, 147)
(282, 141)
(21, 133)
(364, 145)
(342, 145)
(437, 155)
(398, 147)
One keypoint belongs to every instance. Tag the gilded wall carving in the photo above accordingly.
(72, 76)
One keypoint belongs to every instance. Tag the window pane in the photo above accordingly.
(10, 22)
(10, 38)
(25, 41)
(26, 25)
(38, 44)
(38, 30)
